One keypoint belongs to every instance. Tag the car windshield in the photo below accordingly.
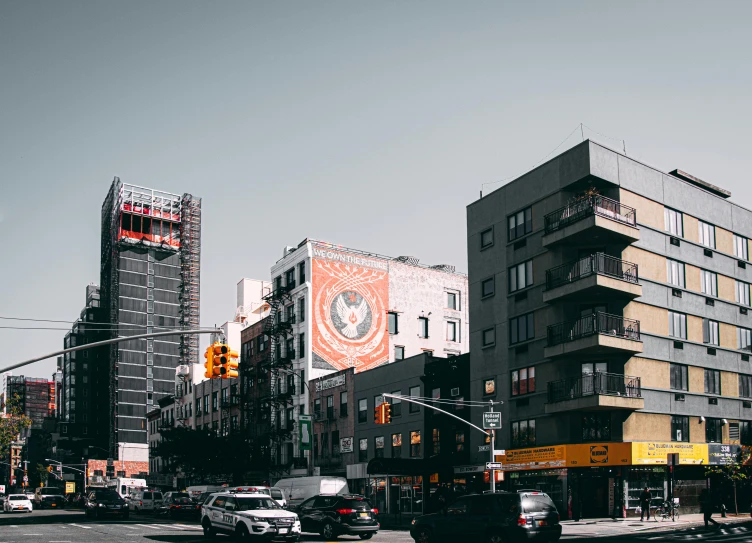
(51, 491)
(251, 504)
(106, 495)
(17, 498)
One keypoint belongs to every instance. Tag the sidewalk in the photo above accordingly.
(610, 527)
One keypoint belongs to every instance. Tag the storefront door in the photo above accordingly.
(594, 495)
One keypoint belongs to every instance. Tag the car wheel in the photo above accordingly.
(327, 532)
(423, 535)
(366, 536)
(241, 532)
(496, 537)
(208, 530)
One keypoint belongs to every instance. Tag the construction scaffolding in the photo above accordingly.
(190, 271)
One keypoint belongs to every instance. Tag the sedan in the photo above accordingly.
(178, 506)
(17, 502)
(105, 501)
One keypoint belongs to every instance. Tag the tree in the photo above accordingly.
(736, 470)
(12, 423)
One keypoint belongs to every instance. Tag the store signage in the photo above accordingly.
(722, 454)
(484, 448)
(345, 444)
(70, 488)
(337, 380)
(469, 469)
(535, 458)
(305, 432)
(651, 452)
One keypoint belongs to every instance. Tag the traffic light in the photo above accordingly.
(378, 415)
(49, 469)
(220, 359)
(387, 416)
(232, 365)
(209, 364)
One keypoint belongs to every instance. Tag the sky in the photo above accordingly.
(367, 124)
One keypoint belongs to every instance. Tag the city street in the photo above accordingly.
(72, 527)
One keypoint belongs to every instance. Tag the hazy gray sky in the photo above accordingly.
(368, 124)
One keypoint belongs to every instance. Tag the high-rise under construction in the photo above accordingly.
(150, 269)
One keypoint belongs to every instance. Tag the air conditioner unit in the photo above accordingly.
(455, 391)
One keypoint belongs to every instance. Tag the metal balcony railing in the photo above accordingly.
(597, 323)
(595, 264)
(598, 383)
(587, 206)
(326, 414)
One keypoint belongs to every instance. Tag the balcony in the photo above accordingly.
(595, 391)
(595, 276)
(326, 415)
(599, 333)
(591, 219)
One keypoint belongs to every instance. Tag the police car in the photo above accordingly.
(248, 516)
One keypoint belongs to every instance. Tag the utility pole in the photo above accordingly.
(493, 457)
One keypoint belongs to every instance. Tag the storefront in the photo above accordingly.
(395, 486)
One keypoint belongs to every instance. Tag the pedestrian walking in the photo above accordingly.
(706, 506)
(645, 498)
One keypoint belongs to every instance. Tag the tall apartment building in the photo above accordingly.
(333, 308)
(151, 250)
(610, 312)
(34, 396)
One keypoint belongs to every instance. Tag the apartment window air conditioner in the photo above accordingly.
(455, 391)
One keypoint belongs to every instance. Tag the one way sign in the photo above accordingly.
(493, 465)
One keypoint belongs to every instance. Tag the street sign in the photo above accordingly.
(59, 467)
(484, 448)
(500, 452)
(70, 488)
(493, 465)
(305, 432)
(491, 420)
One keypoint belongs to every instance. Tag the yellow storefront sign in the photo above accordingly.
(70, 488)
(602, 454)
(656, 452)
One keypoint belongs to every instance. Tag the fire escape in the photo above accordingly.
(190, 262)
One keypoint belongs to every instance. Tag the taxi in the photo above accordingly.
(17, 502)
(248, 516)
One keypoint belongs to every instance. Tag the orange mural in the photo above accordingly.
(349, 310)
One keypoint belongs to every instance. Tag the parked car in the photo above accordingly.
(17, 502)
(178, 505)
(298, 489)
(335, 514)
(493, 517)
(102, 502)
(49, 496)
(248, 516)
(145, 500)
(278, 495)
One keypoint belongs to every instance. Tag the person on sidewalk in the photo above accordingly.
(706, 507)
(645, 498)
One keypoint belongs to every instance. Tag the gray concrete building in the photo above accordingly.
(609, 311)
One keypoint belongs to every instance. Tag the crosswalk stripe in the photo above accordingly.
(80, 526)
(149, 526)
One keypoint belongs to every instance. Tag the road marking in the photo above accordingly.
(129, 527)
(149, 526)
(80, 526)
(31, 534)
(60, 542)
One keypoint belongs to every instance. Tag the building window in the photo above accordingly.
(742, 293)
(290, 277)
(414, 393)
(396, 445)
(674, 222)
(523, 381)
(399, 352)
(435, 442)
(452, 299)
(675, 272)
(343, 404)
(521, 328)
(523, 434)
(206, 404)
(379, 446)
(330, 407)
(740, 247)
(451, 331)
(679, 428)
(486, 238)
(317, 408)
(713, 382)
(596, 427)
(487, 288)
(393, 320)
(301, 345)
(301, 273)
(363, 410)
(677, 325)
(713, 430)
(489, 337)
(423, 327)
(489, 387)
(709, 283)
(396, 404)
(521, 276)
(520, 224)
(710, 332)
(215, 402)
(744, 335)
(459, 441)
(198, 407)
(745, 432)
(679, 379)
(363, 450)
(707, 234)
(415, 444)
(324, 445)
(301, 309)
(745, 386)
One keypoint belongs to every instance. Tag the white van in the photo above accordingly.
(145, 500)
(298, 489)
(125, 486)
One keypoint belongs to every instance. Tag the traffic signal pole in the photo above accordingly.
(111, 341)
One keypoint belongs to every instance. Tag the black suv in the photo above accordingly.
(333, 514)
(105, 501)
(493, 517)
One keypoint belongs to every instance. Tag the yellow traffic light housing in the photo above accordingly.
(378, 415)
(232, 365)
(387, 416)
(49, 469)
(209, 364)
(220, 359)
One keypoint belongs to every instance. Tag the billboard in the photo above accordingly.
(349, 310)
